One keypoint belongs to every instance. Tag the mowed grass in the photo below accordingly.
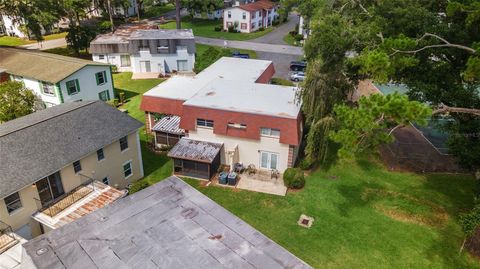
(158, 10)
(156, 167)
(206, 28)
(207, 55)
(15, 41)
(365, 217)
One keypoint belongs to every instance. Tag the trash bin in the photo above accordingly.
(222, 178)
(232, 179)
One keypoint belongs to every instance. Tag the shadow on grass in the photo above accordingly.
(128, 94)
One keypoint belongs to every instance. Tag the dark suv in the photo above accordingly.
(298, 66)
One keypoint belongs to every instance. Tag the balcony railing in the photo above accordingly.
(61, 203)
(7, 239)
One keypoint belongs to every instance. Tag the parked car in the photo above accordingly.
(237, 54)
(298, 66)
(298, 76)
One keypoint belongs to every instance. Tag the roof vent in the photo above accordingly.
(41, 251)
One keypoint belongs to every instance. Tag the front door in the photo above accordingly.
(49, 188)
(268, 160)
(145, 66)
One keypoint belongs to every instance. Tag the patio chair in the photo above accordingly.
(252, 170)
(274, 174)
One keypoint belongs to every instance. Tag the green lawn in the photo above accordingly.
(282, 81)
(206, 28)
(159, 10)
(365, 217)
(207, 55)
(290, 40)
(14, 41)
(156, 167)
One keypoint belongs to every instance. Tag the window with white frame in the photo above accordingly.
(100, 154)
(244, 15)
(13, 202)
(125, 60)
(48, 88)
(101, 57)
(268, 160)
(77, 167)
(204, 123)
(101, 77)
(127, 169)
(270, 132)
(229, 14)
(123, 143)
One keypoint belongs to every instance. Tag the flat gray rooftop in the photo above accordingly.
(168, 225)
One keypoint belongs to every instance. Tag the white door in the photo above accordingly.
(160, 69)
(145, 66)
(268, 160)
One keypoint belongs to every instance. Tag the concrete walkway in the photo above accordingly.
(249, 45)
(270, 187)
(45, 45)
(276, 36)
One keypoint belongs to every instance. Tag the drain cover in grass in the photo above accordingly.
(305, 221)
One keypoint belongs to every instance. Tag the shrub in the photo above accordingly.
(105, 26)
(114, 69)
(261, 29)
(121, 97)
(138, 186)
(231, 29)
(294, 178)
(218, 28)
(298, 37)
(305, 164)
(293, 33)
(276, 22)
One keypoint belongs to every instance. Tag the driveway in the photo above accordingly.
(276, 36)
(45, 45)
(249, 45)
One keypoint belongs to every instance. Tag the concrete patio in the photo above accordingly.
(261, 181)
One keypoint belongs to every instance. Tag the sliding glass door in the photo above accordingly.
(50, 188)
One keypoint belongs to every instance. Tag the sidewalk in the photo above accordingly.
(45, 45)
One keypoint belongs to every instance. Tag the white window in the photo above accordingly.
(244, 15)
(229, 14)
(237, 125)
(270, 132)
(127, 169)
(48, 88)
(268, 160)
(101, 57)
(125, 60)
(13, 203)
(204, 123)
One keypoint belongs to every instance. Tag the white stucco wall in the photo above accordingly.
(168, 62)
(248, 149)
(237, 16)
(89, 89)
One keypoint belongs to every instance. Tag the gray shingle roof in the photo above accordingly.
(42, 143)
(168, 225)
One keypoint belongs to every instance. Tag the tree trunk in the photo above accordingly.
(109, 4)
(177, 15)
(139, 4)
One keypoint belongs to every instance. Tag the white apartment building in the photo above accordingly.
(250, 17)
(146, 52)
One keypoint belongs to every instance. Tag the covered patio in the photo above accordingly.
(167, 131)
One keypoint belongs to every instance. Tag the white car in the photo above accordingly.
(298, 76)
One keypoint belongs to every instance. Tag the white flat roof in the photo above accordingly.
(232, 69)
(256, 98)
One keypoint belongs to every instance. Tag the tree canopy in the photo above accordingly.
(430, 46)
(16, 101)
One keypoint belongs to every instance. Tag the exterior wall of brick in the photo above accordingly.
(4, 77)
(289, 128)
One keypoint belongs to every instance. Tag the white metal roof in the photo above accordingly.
(169, 124)
(256, 98)
(232, 69)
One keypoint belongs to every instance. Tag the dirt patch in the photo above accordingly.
(473, 244)
(405, 208)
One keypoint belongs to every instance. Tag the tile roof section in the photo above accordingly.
(41, 66)
(168, 225)
(195, 150)
(101, 196)
(40, 144)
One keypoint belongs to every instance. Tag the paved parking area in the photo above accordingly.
(280, 61)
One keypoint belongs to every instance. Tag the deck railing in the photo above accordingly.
(7, 239)
(56, 206)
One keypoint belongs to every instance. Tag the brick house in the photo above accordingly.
(250, 17)
(255, 122)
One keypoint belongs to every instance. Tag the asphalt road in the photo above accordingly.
(281, 62)
(276, 36)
